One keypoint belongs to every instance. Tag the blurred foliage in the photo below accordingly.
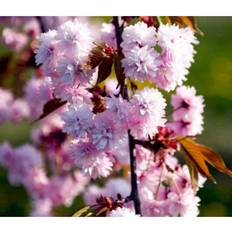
(211, 74)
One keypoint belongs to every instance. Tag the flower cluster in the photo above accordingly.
(105, 121)
(62, 54)
(164, 185)
(188, 109)
(161, 57)
(26, 167)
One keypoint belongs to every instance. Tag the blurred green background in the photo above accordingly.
(211, 74)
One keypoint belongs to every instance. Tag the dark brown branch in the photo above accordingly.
(134, 185)
(153, 146)
(123, 91)
(118, 68)
(41, 23)
(118, 31)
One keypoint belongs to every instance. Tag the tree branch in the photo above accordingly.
(118, 68)
(123, 91)
(41, 23)
(134, 185)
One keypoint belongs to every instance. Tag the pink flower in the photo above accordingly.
(13, 39)
(116, 186)
(105, 134)
(185, 102)
(108, 34)
(41, 208)
(138, 35)
(112, 188)
(46, 50)
(20, 162)
(190, 125)
(188, 109)
(119, 108)
(111, 86)
(37, 93)
(19, 110)
(91, 161)
(165, 187)
(78, 120)
(6, 100)
(140, 63)
(146, 113)
(63, 189)
(176, 55)
(32, 27)
(74, 94)
(75, 32)
(92, 193)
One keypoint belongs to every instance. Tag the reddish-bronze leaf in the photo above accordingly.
(101, 56)
(214, 159)
(191, 22)
(191, 150)
(149, 20)
(96, 56)
(51, 106)
(199, 156)
(184, 21)
(104, 69)
(193, 172)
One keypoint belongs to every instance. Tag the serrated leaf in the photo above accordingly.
(82, 211)
(199, 156)
(51, 106)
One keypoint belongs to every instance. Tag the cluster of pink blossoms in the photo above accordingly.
(11, 109)
(92, 137)
(26, 166)
(20, 31)
(160, 56)
(188, 109)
